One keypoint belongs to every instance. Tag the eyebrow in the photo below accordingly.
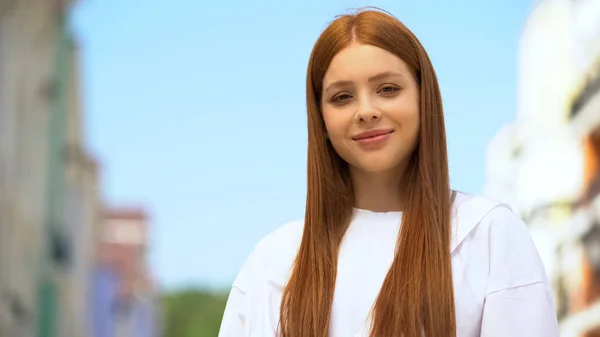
(374, 78)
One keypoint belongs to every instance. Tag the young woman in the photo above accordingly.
(385, 247)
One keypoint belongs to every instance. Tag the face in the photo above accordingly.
(370, 106)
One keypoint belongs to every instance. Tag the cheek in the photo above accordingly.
(410, 120)
(410, 125)
(337, 123)
(407, 119)
(405, 114)
(337, 127)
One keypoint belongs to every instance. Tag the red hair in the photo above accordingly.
(417, 294)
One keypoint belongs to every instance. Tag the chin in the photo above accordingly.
(376, 166)
(375, 161)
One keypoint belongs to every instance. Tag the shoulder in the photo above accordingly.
(483, 214)
(514, 258)
(470, 212)
(497, 233)
(271, 258)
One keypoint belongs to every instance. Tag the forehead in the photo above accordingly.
(360, 61)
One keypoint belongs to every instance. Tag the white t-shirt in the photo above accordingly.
(500, 284)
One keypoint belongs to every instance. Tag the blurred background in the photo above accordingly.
(146, 146)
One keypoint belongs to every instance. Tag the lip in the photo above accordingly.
(372, 133)
(372, 137)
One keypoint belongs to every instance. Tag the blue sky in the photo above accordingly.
(196, 110)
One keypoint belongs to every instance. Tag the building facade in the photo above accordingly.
(26, 48)
(105, 282)
(584, 120)
(48, 184)
(546, 163)
(128, 296)
(67, 267)
(66, 219)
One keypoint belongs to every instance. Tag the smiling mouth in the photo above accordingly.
(372, 140)
(370, 135)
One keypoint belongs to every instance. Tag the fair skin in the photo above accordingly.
(368, 89)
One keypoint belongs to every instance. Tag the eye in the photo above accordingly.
(388, 89)
(341, 98)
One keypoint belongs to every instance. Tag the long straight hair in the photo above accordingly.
(417, 294)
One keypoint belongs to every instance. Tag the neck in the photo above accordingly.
(378, 191)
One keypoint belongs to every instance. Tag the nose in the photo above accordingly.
(367, 112)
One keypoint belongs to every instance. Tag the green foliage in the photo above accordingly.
(193, 313)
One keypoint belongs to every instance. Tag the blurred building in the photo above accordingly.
(124, 290)
(49, 197)
(83, 204)
(584, 120)
(67, 268)
(72, 200)
(28, 34)
(546, 162)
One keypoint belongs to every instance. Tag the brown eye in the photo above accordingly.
(341, 98)
(389, 89)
